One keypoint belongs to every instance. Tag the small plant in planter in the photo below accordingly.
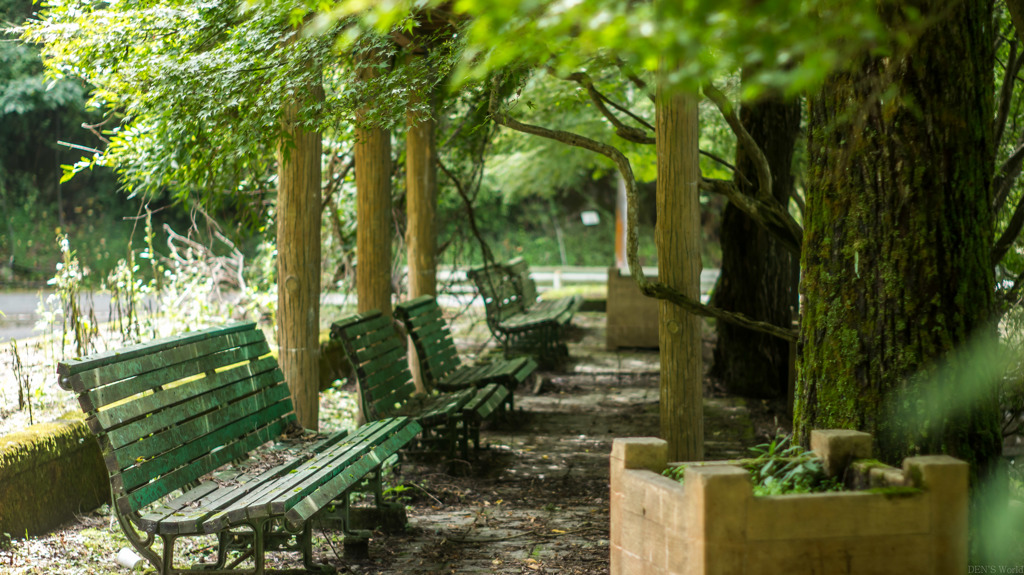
(780, 512)
(779, 467)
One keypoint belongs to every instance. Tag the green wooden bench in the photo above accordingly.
(516, 319)
(179, 421)
(566, 306)
(439, 360)
(377, 353)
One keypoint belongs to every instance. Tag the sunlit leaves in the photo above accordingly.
(795, 43)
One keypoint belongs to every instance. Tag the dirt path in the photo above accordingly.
(537, 500)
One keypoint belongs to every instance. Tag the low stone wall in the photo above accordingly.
(49, 472)
(713, 523)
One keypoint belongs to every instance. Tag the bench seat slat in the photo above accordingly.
(304, 509)
(152, 491)
(317, 472)
(278, 495)
(185, 450)
(175, 436)
(181, 516)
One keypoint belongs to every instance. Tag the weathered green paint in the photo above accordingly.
(72, 366)
(439, 360)
(386, 386)
(515, 317)
(897, 238)
(167, 438)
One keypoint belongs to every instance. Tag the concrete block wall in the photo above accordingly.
(713, 524)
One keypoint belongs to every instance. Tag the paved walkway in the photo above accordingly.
(537, 500)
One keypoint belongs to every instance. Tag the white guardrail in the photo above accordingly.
(459, 290)
(548, 277)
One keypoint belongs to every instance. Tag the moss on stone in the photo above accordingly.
(49, 472)
(895, 491)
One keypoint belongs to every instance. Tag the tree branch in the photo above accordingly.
(625, 132)
(335, 182)
(1016, 9)
(664, 292)
(630, 133)
(485, 250)
(768, 214)
(1006, 175)
(745, 141)
(1009, 235)
(656, 289)
(1013, 64)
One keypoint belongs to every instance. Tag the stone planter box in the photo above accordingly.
(632, 317)
(714, 524)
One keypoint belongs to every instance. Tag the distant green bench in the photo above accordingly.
(563, 307)
(377, 354)
(516, 318)
(439, 361)
(171, 414)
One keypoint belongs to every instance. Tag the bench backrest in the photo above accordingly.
(499, 291)
(169, 411)
(519, 270)
(431, 337)
(377, 355)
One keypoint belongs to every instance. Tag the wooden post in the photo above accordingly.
(678, 238)
(298, 264)
(421, 198)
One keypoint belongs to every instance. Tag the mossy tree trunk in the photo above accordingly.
(897, 240)
(759, 275)
(678, 239)
(298, 263)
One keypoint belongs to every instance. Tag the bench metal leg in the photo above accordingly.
(306, 542)
(143, 543)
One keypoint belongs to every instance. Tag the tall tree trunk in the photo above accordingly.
(759, 276)
(421, 198)
(298, 264)
(897, 240)
(678, 239)
(373, 209)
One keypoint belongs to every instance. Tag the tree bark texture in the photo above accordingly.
(373, 212)
(677, 235)
(421, 209)
(421, 194)
(298, 265)
(897, 241)
(759, 276)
